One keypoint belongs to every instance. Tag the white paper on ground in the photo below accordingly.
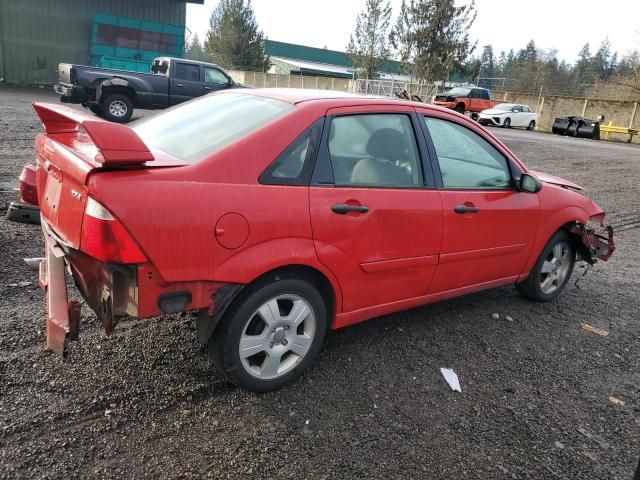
(452, 379)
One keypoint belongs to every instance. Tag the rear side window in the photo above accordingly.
(295, 165)
(196, 129)
(186, 71)
(466, 160)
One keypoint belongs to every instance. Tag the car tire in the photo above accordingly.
(460, 108)
(552, 270)
(506, 123)
(117, 108)
(532, 125)
(282, 321)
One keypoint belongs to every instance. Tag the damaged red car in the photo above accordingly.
(280, 214)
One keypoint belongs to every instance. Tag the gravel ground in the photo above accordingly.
(146, 403)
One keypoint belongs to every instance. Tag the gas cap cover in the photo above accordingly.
(232, 230)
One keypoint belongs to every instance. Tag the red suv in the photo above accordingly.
(279, 214)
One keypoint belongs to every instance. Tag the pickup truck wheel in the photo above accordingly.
(117, 108)
(271, 333)
(552, 271)
(507, 123)
(460, 108)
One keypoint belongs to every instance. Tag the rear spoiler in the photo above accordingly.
(117, 144)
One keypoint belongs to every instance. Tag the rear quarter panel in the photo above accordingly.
(173, 213)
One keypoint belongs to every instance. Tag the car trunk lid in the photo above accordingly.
(75, 146)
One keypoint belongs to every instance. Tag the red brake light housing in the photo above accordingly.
(105, 238)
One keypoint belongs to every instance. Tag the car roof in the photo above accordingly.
(298, 95)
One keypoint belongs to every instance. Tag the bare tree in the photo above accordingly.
(368, 46)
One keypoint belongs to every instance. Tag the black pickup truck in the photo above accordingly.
(113, 94)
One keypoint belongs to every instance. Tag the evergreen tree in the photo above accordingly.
(233, 39)
(488, 62)
(194, 50)
(434, 36)
(368, 46)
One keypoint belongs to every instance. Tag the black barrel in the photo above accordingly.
(560, 126)
(589, 129)
(574, 124)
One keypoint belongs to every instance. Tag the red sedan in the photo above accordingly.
(278, 214)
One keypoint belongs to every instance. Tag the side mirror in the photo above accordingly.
(529, 183)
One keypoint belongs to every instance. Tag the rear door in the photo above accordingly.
(376, 221)
(214, 79)
(489, 226)
(186, 82)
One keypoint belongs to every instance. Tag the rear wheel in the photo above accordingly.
(552, 271)
(460, 108)
(117, 108)
(532, 125)
(507, 123)
(271, 334)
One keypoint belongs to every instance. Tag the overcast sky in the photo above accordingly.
(563, 25)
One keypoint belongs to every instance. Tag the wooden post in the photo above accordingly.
(633, 115)
(504, 97)
(332, 83)
(584, 107)
(317, 78)
(540, 109)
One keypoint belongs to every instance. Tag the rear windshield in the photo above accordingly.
(459, 92)
(197, 129)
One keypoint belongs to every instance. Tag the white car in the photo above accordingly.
(509, 115)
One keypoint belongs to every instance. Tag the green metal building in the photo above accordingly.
(36, 35)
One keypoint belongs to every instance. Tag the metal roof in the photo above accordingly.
(320, 56)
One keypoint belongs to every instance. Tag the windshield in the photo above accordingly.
(504, 106)
(196, 129)
(459, 92)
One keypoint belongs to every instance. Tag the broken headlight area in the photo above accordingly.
(596, 239)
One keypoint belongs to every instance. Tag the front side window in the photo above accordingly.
(374, 150)
(213, 75)
(186, 71)
(466, 160)
(196, 129)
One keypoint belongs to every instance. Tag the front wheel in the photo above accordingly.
(552, 271)
(507, 123)
(271, 334)
(117, 108)
(460, 108)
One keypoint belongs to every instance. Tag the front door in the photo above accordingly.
(376, 224)
(214, 80)
(185, 83)
(489, 226)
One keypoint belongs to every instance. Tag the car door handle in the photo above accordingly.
(207, 88)
(179, 85)
(465, 209)
(344, 208)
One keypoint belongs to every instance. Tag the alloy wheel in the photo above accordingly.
(277, 336)
(118, 108)
(555, 268)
